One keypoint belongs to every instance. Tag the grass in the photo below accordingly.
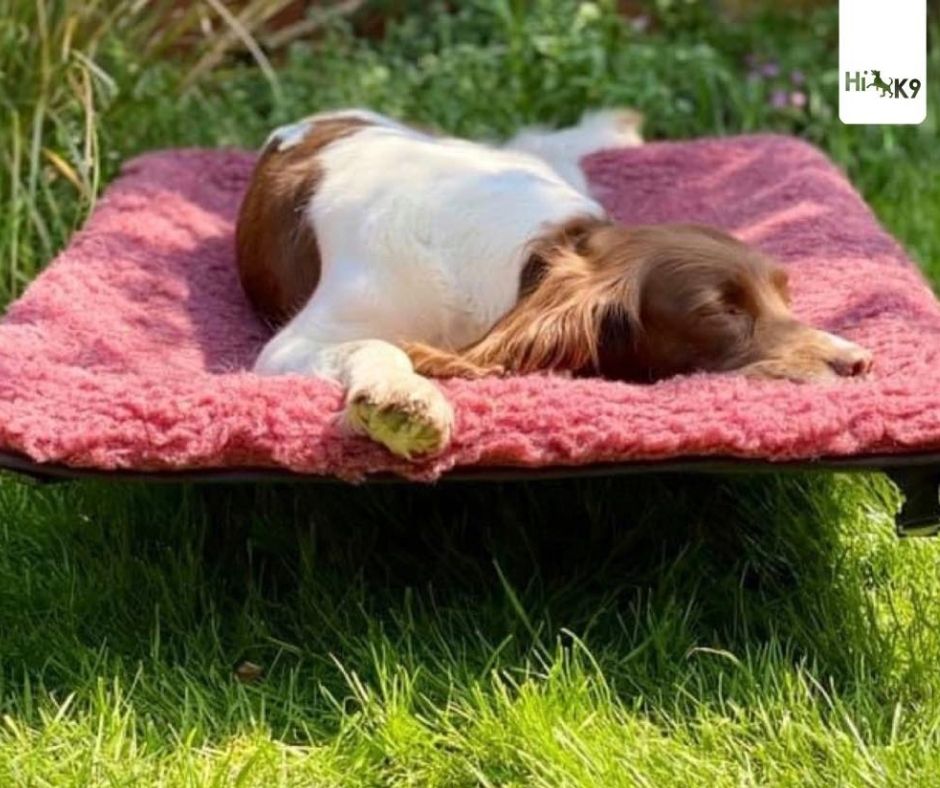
(67, 68)
(780, 635)
(676, 630)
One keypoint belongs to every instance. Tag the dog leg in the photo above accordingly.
(563, 149)
(385, 398)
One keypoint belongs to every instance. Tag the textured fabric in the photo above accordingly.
(130, 350)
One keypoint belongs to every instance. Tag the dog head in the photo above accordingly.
(645, 303)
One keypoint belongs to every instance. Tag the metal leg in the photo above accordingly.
(920, 514)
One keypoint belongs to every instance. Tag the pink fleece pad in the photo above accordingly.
(131, 350)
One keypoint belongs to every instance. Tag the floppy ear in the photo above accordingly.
(553, 326)
(571, 300)
(619, 336)
(541, 334)
(558, 325)
(435, 362)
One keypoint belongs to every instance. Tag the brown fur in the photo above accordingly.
(645, 303)
(595, 298)
(278, 258)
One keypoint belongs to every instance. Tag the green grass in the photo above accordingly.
(590, 633)
(675, 630)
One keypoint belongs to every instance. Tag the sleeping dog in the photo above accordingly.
(388, 255)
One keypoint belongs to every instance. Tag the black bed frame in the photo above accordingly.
(917, 475)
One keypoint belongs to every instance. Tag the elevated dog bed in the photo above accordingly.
(129, 352)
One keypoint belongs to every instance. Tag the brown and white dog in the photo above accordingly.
(388, 255)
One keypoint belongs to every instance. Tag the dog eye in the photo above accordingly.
(720, 311)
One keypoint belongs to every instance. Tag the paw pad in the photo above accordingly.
(406, 429)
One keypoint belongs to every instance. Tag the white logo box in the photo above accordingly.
(890, 37)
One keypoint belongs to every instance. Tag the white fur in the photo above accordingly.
(423, 238)
(293, 133)
(565, 148)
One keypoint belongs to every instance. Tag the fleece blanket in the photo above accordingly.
(132, 349)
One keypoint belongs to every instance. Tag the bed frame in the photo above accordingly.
(917, 476)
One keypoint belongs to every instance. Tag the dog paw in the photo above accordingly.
(620, 126)
(627, 120)
(408, 415)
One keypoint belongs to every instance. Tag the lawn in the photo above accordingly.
(673, 630)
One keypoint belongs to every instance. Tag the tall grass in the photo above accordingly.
(65, 67)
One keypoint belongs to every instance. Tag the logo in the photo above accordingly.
(897, 88)
(882, 76)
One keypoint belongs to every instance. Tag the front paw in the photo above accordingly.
(408, 415)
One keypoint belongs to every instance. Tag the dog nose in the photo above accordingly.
(851, 362)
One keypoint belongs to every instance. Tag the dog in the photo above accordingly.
(388, 255)
(878, 82)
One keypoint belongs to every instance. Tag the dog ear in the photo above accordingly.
(553, 327)
(579, 291)
(619, 335)
(435, 362)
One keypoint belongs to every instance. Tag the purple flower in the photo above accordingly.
(798, 99)
(770, 68)
(640, 23)
(797, 77)
(779, 99)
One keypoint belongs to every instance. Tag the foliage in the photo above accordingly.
(675, 630)
(68, 69)
(102, 89)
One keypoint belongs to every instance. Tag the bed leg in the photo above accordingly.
(920, 513)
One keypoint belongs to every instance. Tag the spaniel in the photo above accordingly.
(388, 255)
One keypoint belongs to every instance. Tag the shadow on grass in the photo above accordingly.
(163, 588)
